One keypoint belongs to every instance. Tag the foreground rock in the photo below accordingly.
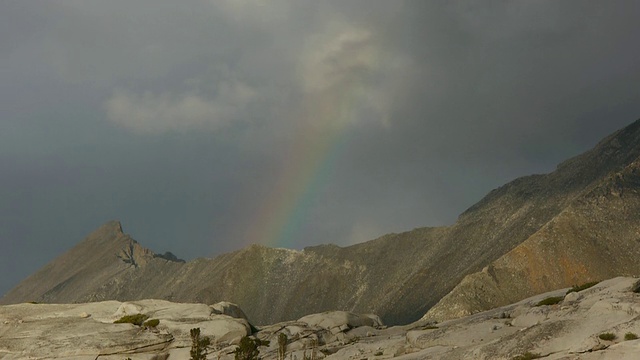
(87, 331)
(569, 329)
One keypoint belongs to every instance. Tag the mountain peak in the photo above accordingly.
(113, 227)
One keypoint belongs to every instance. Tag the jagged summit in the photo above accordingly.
(537, 233)
(113, 225)
(102, 255)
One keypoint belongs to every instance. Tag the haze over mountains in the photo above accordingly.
(534, 234)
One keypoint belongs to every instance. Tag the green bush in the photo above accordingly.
(550, 300)
(198, 345)
(151, 323)
(630, 336)
(577, 288)
(282, 345)
(137, 319)
(527, 356)
(607, 336)
(248, 348)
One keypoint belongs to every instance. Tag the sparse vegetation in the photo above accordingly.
(607, 336)
(282, 345)
(527, 356)
(630, 336)
(151, 323)
(352, 340)
(137, 319)
(169, 256)
(578, 288)
(248, 348)
(552, 300)
(198, 345)
(314, 349)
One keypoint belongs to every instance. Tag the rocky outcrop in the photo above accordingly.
(570, 328)
(88, 331)
(341, 321)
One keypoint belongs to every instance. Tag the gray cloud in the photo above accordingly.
(183, 118)
(155, 113)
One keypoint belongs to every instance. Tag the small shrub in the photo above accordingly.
(314, 349)
(630, 336)
(353, 340)
(527, 356)
(151, 323)
(607, 336)
(577, 288)
(326, 352)
(198, 345)
(550, 300)
(137, 319)
(282, 346)
(248, 348)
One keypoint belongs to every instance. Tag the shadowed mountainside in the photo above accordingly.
(534, 234)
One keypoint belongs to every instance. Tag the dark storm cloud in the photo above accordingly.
(178, 117)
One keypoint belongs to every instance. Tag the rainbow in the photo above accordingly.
(321, 139)
(345, 67)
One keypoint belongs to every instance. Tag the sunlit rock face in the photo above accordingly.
(84, 331)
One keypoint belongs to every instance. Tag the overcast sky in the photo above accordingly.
(204, 126)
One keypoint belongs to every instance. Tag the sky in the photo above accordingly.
(205, 126)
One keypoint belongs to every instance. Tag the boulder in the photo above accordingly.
(340, 321)
(229, 309)
(572, 298)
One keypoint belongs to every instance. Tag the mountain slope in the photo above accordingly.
(597, 236)
(104, 255)
(509, 215)
(398, 276)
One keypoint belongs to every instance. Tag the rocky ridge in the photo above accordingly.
(596, 236)
(536, 233)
